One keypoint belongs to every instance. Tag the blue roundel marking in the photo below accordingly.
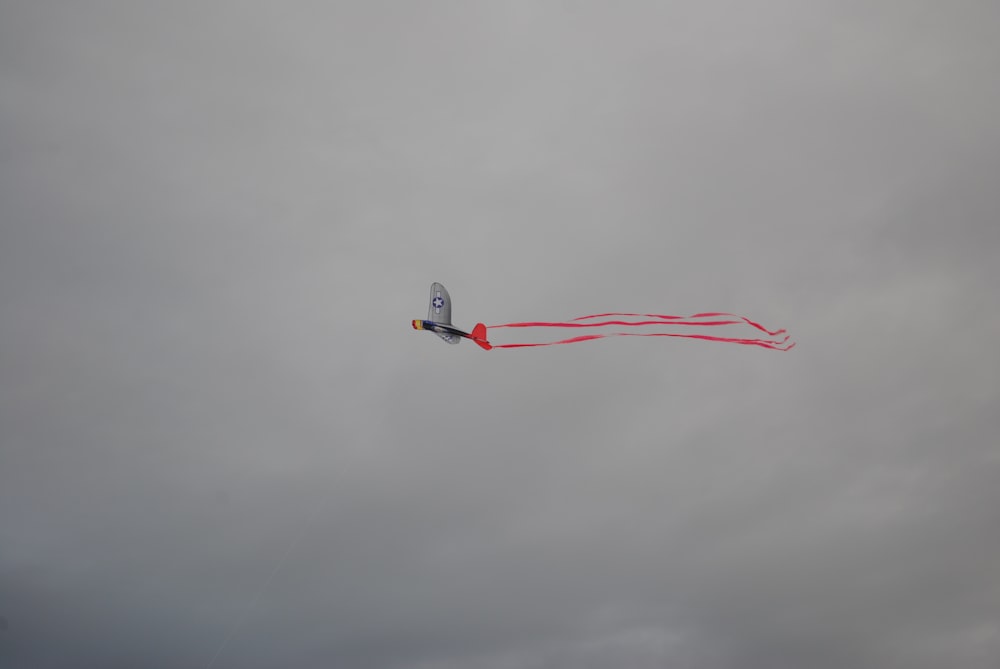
(438, 302)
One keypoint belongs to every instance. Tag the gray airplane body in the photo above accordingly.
(439, 320)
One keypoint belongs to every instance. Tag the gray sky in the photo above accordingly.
(216, 220)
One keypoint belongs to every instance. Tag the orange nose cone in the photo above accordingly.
(416, 325)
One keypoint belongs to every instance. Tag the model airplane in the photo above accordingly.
(439, 320)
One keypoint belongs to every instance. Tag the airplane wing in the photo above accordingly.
(439, 311)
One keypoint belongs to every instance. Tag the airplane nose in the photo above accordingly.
(415, 324)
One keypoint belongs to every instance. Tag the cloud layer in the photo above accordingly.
(222, 445)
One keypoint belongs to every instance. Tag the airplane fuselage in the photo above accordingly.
(438, 327)
(478, 334)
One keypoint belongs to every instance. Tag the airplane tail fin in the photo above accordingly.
(479, 336)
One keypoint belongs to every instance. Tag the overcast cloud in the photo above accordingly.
(222, 445)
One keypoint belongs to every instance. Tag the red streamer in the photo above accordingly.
(695, 320)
